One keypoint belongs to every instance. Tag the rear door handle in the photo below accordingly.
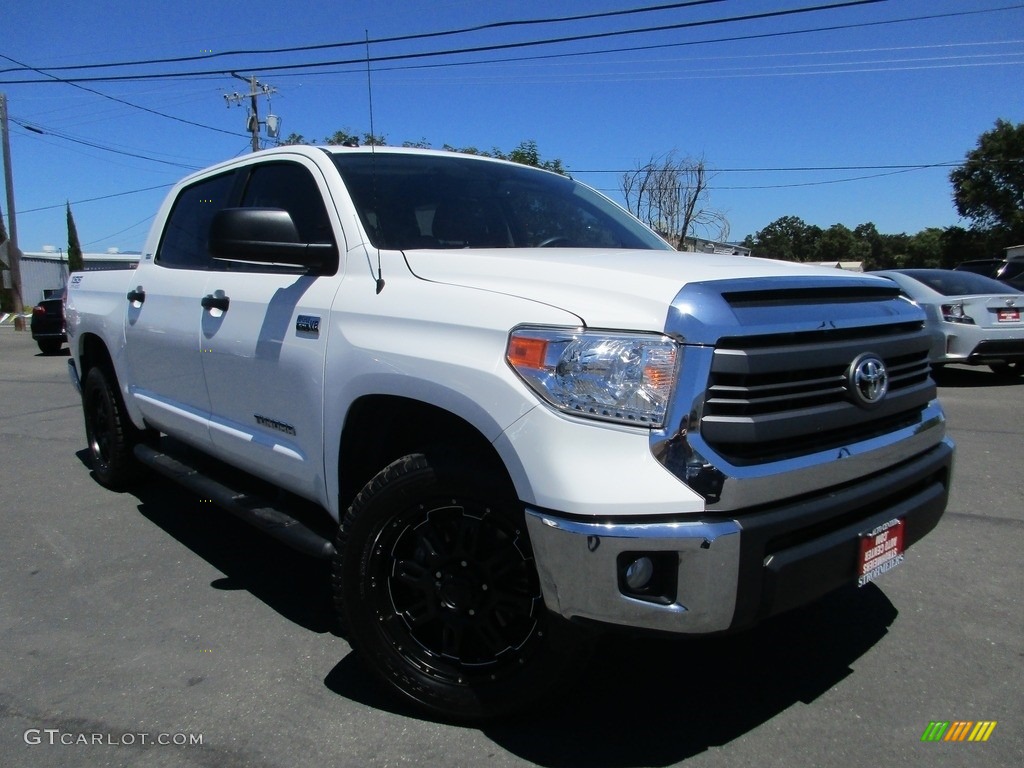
(137, 294)
(216, 302)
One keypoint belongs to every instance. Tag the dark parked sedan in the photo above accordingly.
(48, 325)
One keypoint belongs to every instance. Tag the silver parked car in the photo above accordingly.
(974, 319)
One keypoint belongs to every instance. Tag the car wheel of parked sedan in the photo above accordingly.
(49, 346)
(108, 430)
(437, 590)
(1008, 369)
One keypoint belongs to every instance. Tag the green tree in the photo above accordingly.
(989, 187)
(526, 153)
(75, 263)
(788, 238)
(925, 249)
(868, 235)
(345, 137)
(959, 244)
(840, 243)
(895, 250)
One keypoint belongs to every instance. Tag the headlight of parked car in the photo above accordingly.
(621, 377)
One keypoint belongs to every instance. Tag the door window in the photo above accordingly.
(291, 187)
(185, 241)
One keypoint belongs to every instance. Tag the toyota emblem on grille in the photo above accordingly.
(867, 380)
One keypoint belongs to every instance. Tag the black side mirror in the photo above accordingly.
(266, 236)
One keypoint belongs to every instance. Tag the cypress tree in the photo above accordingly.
(75, 263)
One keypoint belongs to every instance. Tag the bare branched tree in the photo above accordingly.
(670, 194)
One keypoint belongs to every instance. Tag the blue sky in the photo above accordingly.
(877, 85)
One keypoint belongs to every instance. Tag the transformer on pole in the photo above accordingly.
(253, 123)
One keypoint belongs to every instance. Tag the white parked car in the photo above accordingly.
(974, 319)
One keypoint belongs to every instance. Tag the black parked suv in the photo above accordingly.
(48, 325)
(1010, 272)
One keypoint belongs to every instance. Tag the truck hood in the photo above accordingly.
(624, 289)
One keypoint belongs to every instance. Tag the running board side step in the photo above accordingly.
(254, 510)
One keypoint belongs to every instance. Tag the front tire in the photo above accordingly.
(436, 586)
(108, 430)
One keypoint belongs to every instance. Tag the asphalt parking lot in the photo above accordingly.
(150, 629)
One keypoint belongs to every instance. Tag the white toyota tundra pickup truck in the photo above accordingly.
(506, 409)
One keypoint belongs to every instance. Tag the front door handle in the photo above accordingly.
(216, 302)
(137, 294)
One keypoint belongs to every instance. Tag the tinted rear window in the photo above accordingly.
(958, 283)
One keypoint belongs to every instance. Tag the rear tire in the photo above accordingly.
(435, 584)
(49, 346)
(109, 432)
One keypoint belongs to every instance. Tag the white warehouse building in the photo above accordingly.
(44, 273)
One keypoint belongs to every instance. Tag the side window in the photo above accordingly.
(291, 187)
(184, 242)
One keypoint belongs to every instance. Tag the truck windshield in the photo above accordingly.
(413, 201)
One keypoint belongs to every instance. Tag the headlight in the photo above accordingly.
(621, 377)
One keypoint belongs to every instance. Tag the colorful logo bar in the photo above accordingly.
(958, 730)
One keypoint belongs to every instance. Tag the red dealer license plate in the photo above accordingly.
(881, 550)
(1011, 315)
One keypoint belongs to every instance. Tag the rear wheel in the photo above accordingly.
(1008, 369)
(108, 430)
(49, 346)
(436, 586)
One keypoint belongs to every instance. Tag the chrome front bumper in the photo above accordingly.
(579, 575)
(726, 572)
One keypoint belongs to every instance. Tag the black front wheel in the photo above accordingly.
(436, 586)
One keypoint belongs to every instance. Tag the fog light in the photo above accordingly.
(648, 576)
(639, 573)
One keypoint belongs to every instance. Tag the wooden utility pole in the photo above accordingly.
(256, 88)
(13, 254)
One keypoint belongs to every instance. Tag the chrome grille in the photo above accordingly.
(785, 395)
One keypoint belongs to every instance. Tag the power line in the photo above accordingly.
(95, 199)
(394, 39)
(475, 49)
(890, 170)
(803, 168)
(121, 231)
(898, 169)
(788, 70)
(659, 46)
(54, 78)
(827, 181)
(94, 145)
